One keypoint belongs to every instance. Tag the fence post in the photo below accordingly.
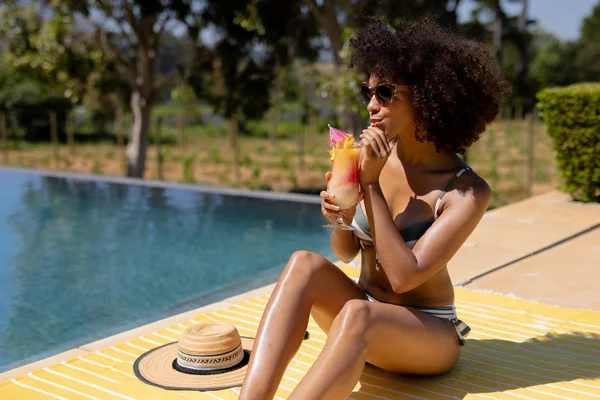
(301, 146)
(4, 138)
(119, 127)
(54, 136)
(530, 152)
(70, 134)
(182, 120)
(234, 144)
(159, 174)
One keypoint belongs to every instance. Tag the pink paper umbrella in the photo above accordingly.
(335, 135)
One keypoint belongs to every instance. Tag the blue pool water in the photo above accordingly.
(83, 259)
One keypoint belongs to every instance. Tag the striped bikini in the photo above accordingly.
(411, 233)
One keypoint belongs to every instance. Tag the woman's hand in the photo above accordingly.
(374, 154)
(331, 211)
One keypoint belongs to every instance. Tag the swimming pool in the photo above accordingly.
(83, 258)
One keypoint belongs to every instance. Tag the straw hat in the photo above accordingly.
(209, 356)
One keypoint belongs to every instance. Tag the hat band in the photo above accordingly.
(209, 363)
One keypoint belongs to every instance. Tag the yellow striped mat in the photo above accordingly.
(517, 349)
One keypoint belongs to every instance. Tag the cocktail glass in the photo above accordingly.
(344, 184)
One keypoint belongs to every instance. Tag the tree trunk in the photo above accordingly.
(301, 146)
(523, 56)
(140, 132)
(159, 160)
(69, 131)
(327, 18)
(272, 117)
(181, 136)
(450, 17)
(519, 111)
(233, 138)
(530, 155)
(54, 136)
(119, 127)
(497, 34)
(142, 96)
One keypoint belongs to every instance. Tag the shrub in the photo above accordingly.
(255, 171)
(188, 169)
(293, 180)
(572, 118)
(214, 155)
(260, 149)
(97, 166)
(245, 160)
(285, 160)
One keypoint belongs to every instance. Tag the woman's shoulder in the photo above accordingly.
(470, 188)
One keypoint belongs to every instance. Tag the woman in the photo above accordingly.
(430, 94)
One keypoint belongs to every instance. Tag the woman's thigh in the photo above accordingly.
(408, 341)
(330, 286)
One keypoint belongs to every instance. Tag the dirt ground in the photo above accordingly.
(500, 156)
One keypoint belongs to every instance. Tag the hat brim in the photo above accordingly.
(155, 367)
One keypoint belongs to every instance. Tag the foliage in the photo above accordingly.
(587, 59)
(188, 168)
(573, 122)
(47, 48)
(255, 37)
(61, 53)
(118, 53)
(552, 64)
(27, 102)
(56, 65)
(183, 95)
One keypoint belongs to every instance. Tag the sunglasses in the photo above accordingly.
(384, 92)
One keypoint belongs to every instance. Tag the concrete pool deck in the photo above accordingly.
(544, 248)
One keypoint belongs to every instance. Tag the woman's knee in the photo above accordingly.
(303, 266)
(354, 320)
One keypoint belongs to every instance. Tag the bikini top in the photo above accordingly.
(413, 231)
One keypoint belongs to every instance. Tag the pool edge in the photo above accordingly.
(261, 194)
(132, 333)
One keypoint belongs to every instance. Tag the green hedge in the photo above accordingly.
(572, 116)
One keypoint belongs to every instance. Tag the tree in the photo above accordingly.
(43, 45)
(183, 95)
(340, 18)
(511, 45)
(21, 98)
(134, 44)
(496, 26)
(588, 56)
(254, 37)
(522, 41)
(45, 50)
(552, 61)
(49, 43)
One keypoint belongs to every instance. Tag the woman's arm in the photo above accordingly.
(344, 245)
(407, 269)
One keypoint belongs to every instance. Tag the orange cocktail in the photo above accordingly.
(344, 183)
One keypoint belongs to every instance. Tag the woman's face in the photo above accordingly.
(394, 119)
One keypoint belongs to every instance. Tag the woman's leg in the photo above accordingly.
(388, 336)
(308, 280)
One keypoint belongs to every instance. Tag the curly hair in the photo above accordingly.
(455, 85)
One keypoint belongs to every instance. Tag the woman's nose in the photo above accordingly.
(373, 105)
